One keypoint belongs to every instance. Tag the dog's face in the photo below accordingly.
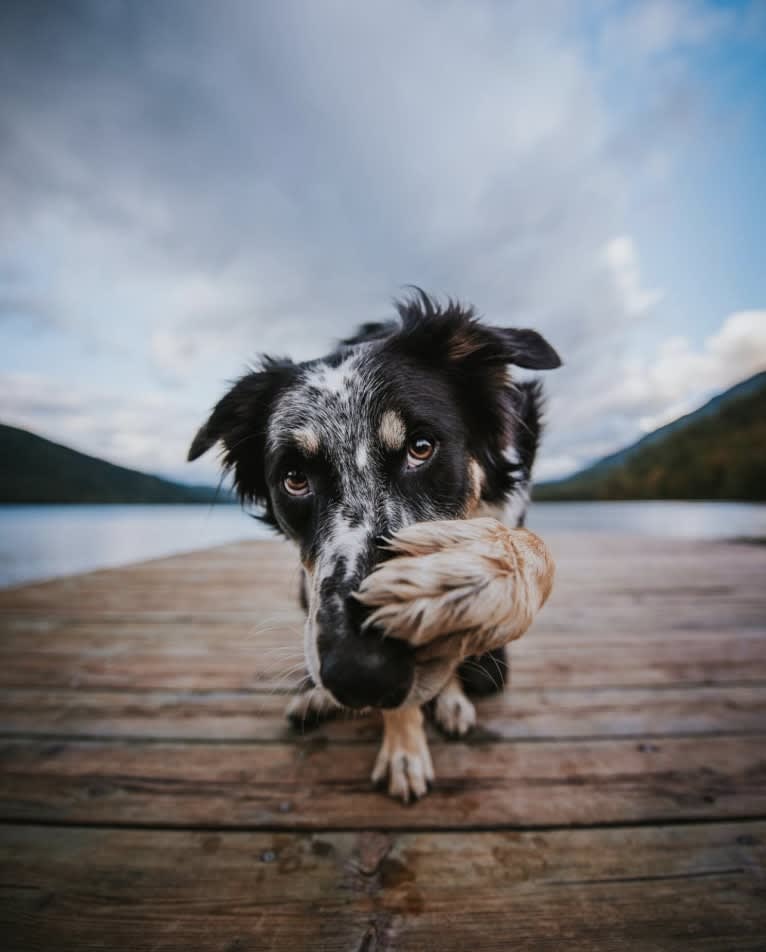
(405, 423)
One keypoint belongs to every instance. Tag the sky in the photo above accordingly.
(184, 186)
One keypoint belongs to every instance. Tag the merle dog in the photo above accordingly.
(408, 421)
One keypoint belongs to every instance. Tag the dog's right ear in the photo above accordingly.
(239, 421)
(205, 438)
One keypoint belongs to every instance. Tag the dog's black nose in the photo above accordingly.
(367, 670)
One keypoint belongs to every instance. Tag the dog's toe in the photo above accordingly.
(408, 767)
(454, 713)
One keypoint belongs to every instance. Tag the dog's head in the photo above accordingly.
(408, 421)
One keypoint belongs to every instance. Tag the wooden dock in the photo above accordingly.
(152, 796)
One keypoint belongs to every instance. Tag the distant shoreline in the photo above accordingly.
(231, 501)
(600, 500)
(61, 539)
(225, 501)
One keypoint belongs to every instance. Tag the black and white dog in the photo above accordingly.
(409, 421)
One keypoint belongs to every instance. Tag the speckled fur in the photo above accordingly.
(346, 419)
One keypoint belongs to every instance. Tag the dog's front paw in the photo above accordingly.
(404, 757)
(458, 587)
(453, 712)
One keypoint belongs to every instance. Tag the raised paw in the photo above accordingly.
(404, 757)
(310, 708)
(453, 712)
(460, 587)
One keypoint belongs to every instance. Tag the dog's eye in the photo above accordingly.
(296, 483)
(419, 450)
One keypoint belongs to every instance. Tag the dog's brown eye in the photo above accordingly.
(419, 450)
(296, 483)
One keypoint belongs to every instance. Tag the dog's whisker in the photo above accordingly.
(285, 679)
(275, 623)
(474, 665)
(289, 650)
(295, 659)
(298, 666)
(501, 669)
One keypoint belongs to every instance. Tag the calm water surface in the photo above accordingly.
(45, 541)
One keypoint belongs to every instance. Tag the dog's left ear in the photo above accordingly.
(525, 348)
(454, 334)
(478, 344)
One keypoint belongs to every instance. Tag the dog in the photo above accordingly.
(412, 425)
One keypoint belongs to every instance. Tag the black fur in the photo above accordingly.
(485, 674)
(239, 421)
(442, 376)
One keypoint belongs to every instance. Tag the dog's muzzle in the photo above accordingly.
(376, 675)
(361, 667)
(358, 665)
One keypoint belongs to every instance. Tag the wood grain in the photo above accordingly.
(312, 784)
(152, 796)
(532, 714)
(619, 890)
(167, 668)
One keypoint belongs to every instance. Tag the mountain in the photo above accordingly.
(36, 470)
(716, 452)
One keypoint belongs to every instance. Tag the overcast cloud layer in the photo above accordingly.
(183, 186)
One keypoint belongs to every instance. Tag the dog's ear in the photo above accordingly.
(239, 421)
(475, 357)
(453, 334)
(473, 344)
(526, 348)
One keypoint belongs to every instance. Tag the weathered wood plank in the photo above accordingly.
(512, 715)
(622, 890)
(608, 722)
(534, 663)
(310, 784)
(598, 568)
(282, 628)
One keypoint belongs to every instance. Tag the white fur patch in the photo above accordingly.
(516, 505)
(348, 542)
(508, 512)
(333, 379)
(454, 713)
(362, 456)
(392, 431)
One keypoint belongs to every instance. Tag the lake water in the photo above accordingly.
(44, 541)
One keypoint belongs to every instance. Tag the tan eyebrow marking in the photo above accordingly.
(306, 440)
(392, 431)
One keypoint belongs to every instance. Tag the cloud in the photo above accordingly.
(740, 345)
(684, 376)
(144, 431)
(308, 164)
(184, 187)
(655, 27)
(621, 258)
(639, 395)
